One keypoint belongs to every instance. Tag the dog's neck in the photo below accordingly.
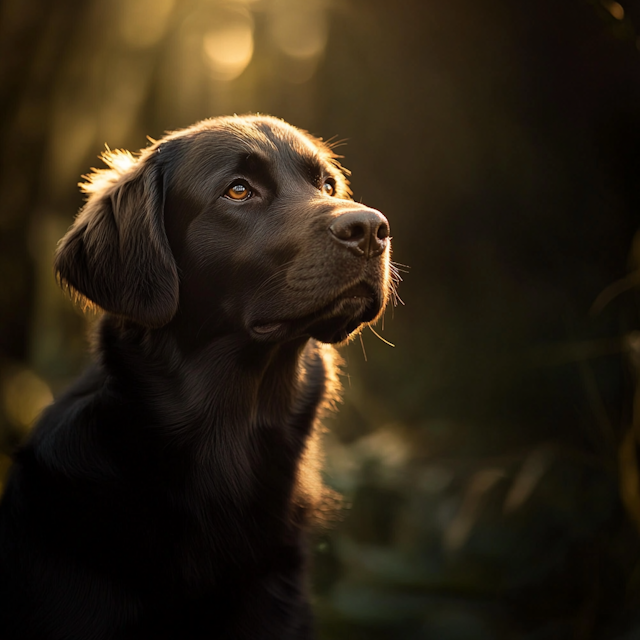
(208, 412)
(227, 381)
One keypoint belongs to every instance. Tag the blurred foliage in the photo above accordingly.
(490, 459)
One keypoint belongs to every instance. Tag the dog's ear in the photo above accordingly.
(116, 253)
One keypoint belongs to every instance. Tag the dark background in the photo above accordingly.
(489, 459)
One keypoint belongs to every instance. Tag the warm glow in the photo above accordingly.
(143, 22)
(300, 29)
(25, 395)
(615, 9)
(72, 133)
(228, 47)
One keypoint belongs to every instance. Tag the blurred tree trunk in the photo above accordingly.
(34, 37)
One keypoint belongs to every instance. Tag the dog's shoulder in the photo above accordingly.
(66, 442)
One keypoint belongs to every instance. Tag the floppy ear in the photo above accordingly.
(116, 253)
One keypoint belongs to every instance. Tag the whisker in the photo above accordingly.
(398, 299)
(332, 143)
(393, 290)
(395, 273)
(375, 333)
(364, 353)
(339, 143)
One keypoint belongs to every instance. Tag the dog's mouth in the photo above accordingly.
(333, 322)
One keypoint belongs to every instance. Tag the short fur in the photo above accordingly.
(167, 493)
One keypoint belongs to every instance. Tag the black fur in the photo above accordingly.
(167, 494)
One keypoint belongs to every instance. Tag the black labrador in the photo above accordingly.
(168, 493)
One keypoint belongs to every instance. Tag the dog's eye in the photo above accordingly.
(329, 187)
(238, 191)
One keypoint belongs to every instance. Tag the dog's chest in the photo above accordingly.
(238, 507)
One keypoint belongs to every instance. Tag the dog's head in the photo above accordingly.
(238, 223)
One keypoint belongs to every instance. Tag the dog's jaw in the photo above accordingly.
(332, 322)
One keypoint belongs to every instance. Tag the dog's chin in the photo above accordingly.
(334, 330)
(332, 324)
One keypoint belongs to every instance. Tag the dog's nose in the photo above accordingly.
(364, 233)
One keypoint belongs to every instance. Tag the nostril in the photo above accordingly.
(348, 230)
(356, 232)
(383, 231)
(362, 232)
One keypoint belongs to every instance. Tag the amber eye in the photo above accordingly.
(238, 191)
(329, 188)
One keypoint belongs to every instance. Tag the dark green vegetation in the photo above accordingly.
(490, 457)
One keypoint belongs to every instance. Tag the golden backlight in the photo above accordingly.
(228, 45)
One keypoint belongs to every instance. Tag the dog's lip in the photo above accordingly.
(264, 329)
(360, 290)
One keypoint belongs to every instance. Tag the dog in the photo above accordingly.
(168, 494)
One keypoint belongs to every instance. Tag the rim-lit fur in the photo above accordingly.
(168, 493)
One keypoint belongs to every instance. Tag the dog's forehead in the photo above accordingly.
(216, 143)
(279, 136)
